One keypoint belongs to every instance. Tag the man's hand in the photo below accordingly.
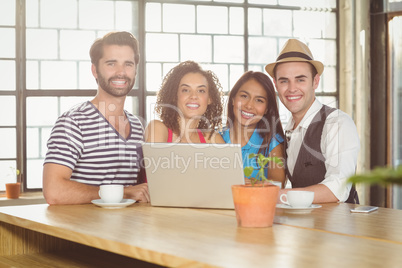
(138, 192)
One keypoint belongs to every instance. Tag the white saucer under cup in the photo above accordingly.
(111, 193)
(122, 204)
(289, 209)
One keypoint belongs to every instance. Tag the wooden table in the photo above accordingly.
(89, 236)
(383, 224)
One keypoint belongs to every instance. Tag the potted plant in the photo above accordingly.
(255, 203)
(13, 189)
(379, 175)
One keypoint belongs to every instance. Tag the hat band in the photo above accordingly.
(292, 55)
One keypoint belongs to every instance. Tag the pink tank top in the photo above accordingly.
(170, 136)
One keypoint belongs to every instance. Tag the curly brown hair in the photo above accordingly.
(167, 98)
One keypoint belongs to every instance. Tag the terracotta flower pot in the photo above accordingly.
(255, 205)
(13, 190)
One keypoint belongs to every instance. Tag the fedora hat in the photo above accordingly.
(294, 50)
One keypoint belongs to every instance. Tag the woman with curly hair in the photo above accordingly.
(189, 104)
(253, 121)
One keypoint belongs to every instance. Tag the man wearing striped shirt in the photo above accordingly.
(98, 142)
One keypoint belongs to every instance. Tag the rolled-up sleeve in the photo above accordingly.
(340, 146)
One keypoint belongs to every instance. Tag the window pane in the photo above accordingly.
(42, 111)
(8, 146)
(7, 111)
(235, 72)
(154, 76)
(58, 13)
(229, 49)
(33, 143)
(257, 68)
(324, 51)
(196, 47)
(124, 21)
(254, 21)
(306, 3)
(34, 174)
(66, 103)
(329, 57)
(104, 18)
(395, 26)
(32, 13)
(7, 75)
(309, 24)
(7, 13)
(236, 20)
(41, 44)
(44, 137)
(329, 29)
(166, 67)
(218, 25)
(37, 142)
(8, 173)
(32, 74)
(328, 80)
(153, 17)
(74, 45)
(277, 22)
(7, 44)
(262, 50)
(131, 105)
(265, 2)
(230, 1)
(86, 79)
(178, 18)
(58, 75)
(166, 52)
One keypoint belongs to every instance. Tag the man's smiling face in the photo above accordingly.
(296, 87)
(116, 70)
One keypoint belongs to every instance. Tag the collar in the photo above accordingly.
(308, 117)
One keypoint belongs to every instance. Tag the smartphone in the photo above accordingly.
(364, 209)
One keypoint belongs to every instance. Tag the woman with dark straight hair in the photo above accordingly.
(253, 121)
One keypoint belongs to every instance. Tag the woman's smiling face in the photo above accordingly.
(193, 95)
(250, 104)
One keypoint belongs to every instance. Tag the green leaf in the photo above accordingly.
(248, 171)
(379, 175)
(252, 155)
(262, 162)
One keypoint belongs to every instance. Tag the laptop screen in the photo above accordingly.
(192, 175)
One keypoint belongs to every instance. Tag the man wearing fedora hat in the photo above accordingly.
(321, 142)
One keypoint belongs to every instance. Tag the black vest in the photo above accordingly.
(310, 164)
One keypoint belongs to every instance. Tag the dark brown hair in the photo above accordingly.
(270, 124)
(167, 98)
(313, 69)
(114, 38)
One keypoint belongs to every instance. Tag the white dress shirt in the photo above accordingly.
(340, 146)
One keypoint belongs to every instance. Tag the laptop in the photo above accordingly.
(192, 175)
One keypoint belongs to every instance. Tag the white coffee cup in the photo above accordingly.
(111, 193)
(297, 199)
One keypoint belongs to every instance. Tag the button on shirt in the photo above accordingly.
(340, 146)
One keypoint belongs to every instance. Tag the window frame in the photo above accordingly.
(22, 93)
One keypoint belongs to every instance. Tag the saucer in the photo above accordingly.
(290, 209)
(122, 204)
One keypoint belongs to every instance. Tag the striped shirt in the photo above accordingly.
(83, 140)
